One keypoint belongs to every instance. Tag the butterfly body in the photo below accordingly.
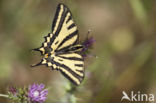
(61, 48)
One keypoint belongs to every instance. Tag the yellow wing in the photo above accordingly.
(64, 32)
(71, 65)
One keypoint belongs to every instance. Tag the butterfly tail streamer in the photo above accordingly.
(34, 65)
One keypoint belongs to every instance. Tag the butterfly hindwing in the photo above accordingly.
(71, 65)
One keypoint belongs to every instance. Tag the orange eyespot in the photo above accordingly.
(46, 55)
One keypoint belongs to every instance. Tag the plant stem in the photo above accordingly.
(72, 98)
(4, 95)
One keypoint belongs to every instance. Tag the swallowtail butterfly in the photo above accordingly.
(61, 48)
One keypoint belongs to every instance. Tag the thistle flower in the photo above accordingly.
(88, 42)
(17, 94)
(37, 93)
(12, 90)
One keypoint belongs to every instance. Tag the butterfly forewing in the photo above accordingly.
(64, 29)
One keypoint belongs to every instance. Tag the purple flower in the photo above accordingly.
(37, 93)
(87, 44)
(12, 90)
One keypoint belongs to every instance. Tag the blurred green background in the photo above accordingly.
(124, 31)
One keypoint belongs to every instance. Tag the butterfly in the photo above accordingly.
(61, 48)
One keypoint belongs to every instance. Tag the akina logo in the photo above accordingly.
(138, 96)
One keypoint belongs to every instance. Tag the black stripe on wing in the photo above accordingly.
(67, 47)
(56, 16)
(60, 23)
(66, 39)
(69, 19)
(71, 26)
(79, 65)
(69, 78)
(69, 73)
(72, 58)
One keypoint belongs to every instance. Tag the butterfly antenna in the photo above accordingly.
(88, 33)
(92, 56)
